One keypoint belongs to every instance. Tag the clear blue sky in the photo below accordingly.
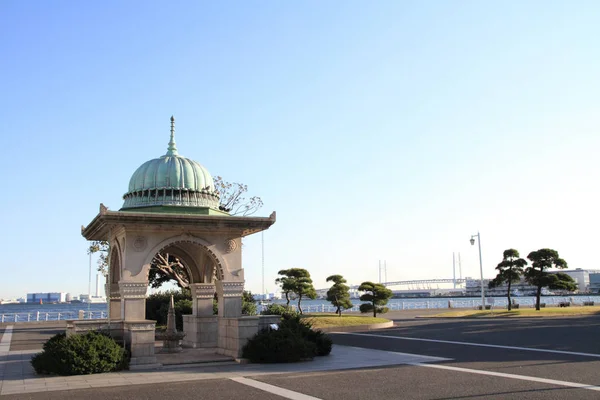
(387, 130)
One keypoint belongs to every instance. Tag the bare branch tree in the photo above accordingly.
(166, 267)
(232, 198)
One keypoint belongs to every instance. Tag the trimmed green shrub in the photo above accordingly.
(274, 309)
(321, 340)
(280, 309)
(368, 307)
(294, 340)
(88, 353)
(182, 307)
(157, 306)
(249, 308)
(278, 346)
(248, 303)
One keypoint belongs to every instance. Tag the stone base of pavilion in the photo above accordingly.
(191, 357)
(208, 339)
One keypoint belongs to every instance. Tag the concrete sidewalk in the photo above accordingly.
(17, 375)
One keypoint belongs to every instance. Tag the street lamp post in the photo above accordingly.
(478, 236)
(90, 286)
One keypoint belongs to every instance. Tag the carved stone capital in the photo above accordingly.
(230, 289)
(202, 290)
(133, 290)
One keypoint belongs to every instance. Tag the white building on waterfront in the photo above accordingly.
(581, 276)
(53, 297)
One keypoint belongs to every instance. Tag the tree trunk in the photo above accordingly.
(287, 297)
(374, 310)
(537, 297)
(299, 300)
(508, 295)
(339, 308)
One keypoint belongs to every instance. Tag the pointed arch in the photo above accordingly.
(115, 262)
(208, 247)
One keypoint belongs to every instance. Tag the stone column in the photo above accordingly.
(230, 298)
(139, 338)
(234, 330)
(202, 299)
(201, 327)
(113, 297)
(138, 332)
(133, 300)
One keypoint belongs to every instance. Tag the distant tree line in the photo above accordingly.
(512, 268)
(297, 283)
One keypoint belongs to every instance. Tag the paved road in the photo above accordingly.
(575, 334)
(33, 335)
(486, 358)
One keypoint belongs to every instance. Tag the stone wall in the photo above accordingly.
(199, 331)
(234, 333)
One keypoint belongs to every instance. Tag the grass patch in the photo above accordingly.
(521, 312)
(322, 320)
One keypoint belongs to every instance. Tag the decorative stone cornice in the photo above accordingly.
(232, 289)
(140, 325)
(133, 290)
(202, 290)
(232, 226)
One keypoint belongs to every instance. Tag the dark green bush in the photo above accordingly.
(182, 307)
(321, 340)
(88, 353)
(249, 308)
(274, 309)
(278, 346)
(157, 304)
(294, 340)
(368, 308)
(279, 309)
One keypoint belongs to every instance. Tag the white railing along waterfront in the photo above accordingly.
(51, 316)
(495, 302)
(393, 305)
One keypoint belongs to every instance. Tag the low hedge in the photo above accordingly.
(280, 309)
(294, 340)
(89, 353)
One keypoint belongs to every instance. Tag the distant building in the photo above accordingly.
(86, 298)
(55, 297)
(473, 287)
(581, 276)
(594, 282)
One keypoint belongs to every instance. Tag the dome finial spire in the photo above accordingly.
(172, 145)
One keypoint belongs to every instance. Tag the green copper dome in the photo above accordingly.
(171, 180)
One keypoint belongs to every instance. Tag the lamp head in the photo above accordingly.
(472, 241)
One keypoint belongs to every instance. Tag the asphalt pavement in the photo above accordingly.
(33, 335)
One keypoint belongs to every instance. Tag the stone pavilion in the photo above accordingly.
(172, 206)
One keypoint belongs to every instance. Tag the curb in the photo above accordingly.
(358, 328)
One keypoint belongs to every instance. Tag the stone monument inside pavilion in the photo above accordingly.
(172, 206)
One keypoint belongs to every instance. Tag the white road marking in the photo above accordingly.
(406, 357)
(288, 394)
(6, 339)
(476, 344)
(513, 376)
